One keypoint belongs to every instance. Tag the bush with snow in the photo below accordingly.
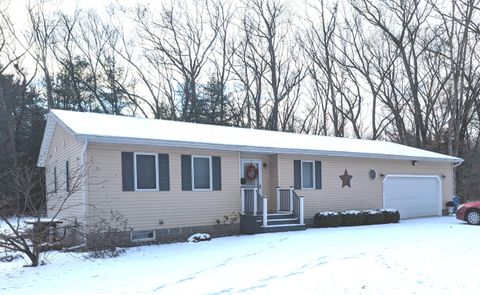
(356, 217)
(373, 217)
(391, 215)
(199, 237)
(327, 219)
(352, 218)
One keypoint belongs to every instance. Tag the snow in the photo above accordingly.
(121, 129)
(422, 256)
(354, 212)
(195, 238)
(328, 213)
(18, 223)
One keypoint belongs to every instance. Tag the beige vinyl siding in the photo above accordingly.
(64, 147)
(272, 200)
(175, 208)
(364, 193)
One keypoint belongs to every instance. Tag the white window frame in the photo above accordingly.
(135, 172)
(143, 240)
(313, 174)
(193, 173)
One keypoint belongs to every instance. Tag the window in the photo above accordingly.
(143, 235)
(55, 179)
(202, 172)
(372, 174)
(308, 174)
(67, 177)
(146, 171)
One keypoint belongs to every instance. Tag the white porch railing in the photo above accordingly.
(298, 209)
(254, 203)
(285, 199)
(289, 201)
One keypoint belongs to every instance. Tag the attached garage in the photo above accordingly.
(413, 195)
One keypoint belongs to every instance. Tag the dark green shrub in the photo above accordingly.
(391, 215)
(373, 217)
(351, 218)
(327, 219)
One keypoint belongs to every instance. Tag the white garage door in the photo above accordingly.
(413, 196)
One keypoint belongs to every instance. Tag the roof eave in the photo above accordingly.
(253, 149)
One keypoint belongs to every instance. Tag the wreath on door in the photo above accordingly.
(251, 172)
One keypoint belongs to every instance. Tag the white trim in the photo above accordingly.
(436, 177)
(143, 240)
(210, 173)
(135, 172)
(260, 169)
(264, 211)
(313, 174)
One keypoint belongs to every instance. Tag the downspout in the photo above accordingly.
(84, 171)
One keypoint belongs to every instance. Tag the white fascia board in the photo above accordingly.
(254, 149)
(52, 121)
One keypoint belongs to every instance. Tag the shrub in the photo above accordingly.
(327, 219)
(391, 215)
(373, 217)
(351, 218)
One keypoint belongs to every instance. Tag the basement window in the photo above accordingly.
(142, 235)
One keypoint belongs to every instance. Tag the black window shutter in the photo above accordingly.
(163, 172)
(186, 173)
(54, 179)
(318, 174)
(217, 173)
(297, 174)
(128, 181)
(67, 177)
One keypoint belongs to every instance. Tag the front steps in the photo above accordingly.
(278, 222)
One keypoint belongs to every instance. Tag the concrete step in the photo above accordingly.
(280, 216)
(277, 221)
(283, 228)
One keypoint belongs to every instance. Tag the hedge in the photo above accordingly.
(327, 219)
(373, 217)
(356, 217)
(352, 218)
(391, 215)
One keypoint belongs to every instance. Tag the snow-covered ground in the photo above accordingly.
(423, 256)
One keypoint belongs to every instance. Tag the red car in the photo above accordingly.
(469, 212)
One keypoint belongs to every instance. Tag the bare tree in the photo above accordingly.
(20, 196)
(319, 45)
(41, 36)
(181, 38)
(402, 22)
(268, 24)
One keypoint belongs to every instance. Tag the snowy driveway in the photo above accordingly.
(423, 256)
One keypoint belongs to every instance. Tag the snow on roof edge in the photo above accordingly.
(64, 118)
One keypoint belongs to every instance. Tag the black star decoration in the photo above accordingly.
(346, 179)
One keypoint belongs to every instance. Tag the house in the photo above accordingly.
(170, 179)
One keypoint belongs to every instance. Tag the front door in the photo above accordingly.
(251, 173)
